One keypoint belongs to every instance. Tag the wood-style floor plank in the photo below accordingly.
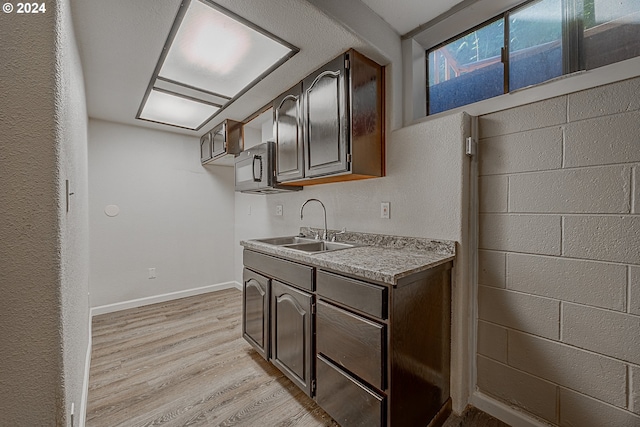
(184, 363)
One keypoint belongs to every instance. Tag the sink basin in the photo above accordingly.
(320, 246)
(288, 240)
(306, 244)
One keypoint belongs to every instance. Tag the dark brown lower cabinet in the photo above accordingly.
(369, 353)
(291, 333)
(255, 308)
(348, 401)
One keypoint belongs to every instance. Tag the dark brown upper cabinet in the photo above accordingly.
(287, 130)
(222, 143)
(330, 127)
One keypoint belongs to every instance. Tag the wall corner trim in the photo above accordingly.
(124, 305)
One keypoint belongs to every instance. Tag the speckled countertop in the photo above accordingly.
(378, 257)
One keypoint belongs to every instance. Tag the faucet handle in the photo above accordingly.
(310, 232)
(344, 230)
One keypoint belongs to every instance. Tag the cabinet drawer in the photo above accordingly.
(345, 399)
(352, 341)
(286, 271)
(366, 297)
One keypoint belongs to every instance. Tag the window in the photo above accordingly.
(611, 31)
(530, 44)
(467, 69)
(535, 43)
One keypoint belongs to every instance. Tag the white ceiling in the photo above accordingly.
(406, 15)
(120, 42)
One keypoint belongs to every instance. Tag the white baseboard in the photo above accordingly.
(503, 412)
(110, 308)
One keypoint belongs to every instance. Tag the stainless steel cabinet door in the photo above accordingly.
(255, 311)
(326, 119)
(291, 337)
(287, 122)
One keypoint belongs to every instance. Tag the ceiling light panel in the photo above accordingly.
(175, 110)
(168, 86)
(217, 53)
(211, 55)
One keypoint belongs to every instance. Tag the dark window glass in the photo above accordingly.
(535, 43)
(611, 31)
(467, 69)
(546, 39)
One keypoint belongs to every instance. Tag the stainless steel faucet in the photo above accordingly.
(324, 233)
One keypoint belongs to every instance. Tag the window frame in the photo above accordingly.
(573, 55)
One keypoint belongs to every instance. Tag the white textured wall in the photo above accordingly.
(43, 255)
(559, 259)
(175, 215)
(426, 186)
(74, 252)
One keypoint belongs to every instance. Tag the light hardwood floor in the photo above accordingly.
(184, 363)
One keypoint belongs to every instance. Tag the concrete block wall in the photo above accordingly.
(559, 257)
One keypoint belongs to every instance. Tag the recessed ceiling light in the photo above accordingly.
(210, 51)
(176, 110)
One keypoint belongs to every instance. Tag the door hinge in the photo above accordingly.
(313, 386)
(313, 308)
(471, 147)
(346, 63)
(349, 158)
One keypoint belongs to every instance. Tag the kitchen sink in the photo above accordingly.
(306, 244)
(288, 240)
(320, 246)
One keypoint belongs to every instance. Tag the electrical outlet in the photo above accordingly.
(278, 210)
(384, 210)
(152, 273)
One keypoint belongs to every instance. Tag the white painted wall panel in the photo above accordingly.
(528, 313)
(579, 410)
(534, 150)
(592, 190)
(603, 140)
(44, 250)
(536, 395)
(492, 341)
(586, 184)
(594, 375)
(492, 271)
(587, 282)
(175, 215)
(602, 331)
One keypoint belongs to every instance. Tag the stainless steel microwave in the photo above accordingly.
(255, 171)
